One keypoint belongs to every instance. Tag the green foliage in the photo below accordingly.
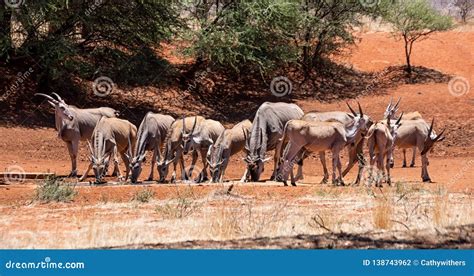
(121, 39)
(414, 20)
(64, 36)
(249, 35)
(54, 189)
(325, 28)
(268, 34)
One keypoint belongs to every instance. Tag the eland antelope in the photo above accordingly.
(380, 141)
(151, 137)
(179, 131)
(355, 149)
(200, 141)
(230, 142)
(419, 134)
(75, 124)
(316, 137)
(111, 136)
(265, 134)
(410, 116)
(389, 113)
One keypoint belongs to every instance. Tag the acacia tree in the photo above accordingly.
(66, 37)
(465, 8)
(266, 34)
(414, 20)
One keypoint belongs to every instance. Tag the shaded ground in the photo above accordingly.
(451, 237)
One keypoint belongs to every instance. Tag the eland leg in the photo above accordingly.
(223, 169)
(424, 169)
(73, 148)
(322, 157)
(335, 166)
(245, 175)
(387, 167)
(127, 165)
(412, 164)
(380, 170)
(116, 171)
(287, 165)
(404, 165)
(156, 156)
(203, 174)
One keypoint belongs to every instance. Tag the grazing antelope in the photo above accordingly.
(229, 143)
(200, 141)
(417, 133)
(267, 129)
(354, 149)
(317, 137)
(151, 136)
(391, 109)
(407, 116)
(179, 131)
(74, 124)
(111, 136)
(380, 141)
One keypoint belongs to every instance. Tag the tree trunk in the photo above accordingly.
(5, 27)
(407, 54)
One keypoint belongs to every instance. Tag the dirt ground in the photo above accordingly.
(107, 217)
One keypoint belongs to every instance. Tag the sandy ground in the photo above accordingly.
(108, 217)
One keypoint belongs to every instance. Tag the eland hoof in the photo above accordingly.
(72, 174)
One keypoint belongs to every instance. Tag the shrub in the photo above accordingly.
(144, 195)
(55, 189)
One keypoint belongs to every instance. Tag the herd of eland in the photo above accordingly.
(280, 127)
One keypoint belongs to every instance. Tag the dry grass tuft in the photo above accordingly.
(247, 219)
(183, 205)
(440, 207)
(382, 213)
(144, 195)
